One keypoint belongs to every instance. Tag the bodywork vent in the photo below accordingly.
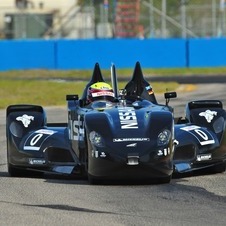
(58, 155)
(185, 153)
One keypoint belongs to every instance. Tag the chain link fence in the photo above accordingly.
(183, 18)
(96, 19)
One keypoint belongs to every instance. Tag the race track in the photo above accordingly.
(198, 200)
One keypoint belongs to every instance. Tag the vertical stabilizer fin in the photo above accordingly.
(97, 75)
(138, 86)
(135, 85)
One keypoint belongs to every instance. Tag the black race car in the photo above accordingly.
(131, 137)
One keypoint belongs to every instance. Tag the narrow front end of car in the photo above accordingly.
(140, 147)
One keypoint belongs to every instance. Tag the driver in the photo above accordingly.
(100, 91)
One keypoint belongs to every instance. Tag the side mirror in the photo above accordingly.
(169, 95)
(72, 97)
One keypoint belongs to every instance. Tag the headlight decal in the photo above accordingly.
(96, 139)
(164, 137)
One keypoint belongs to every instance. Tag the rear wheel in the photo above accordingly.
(165, 180)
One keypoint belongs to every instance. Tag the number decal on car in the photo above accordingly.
(36, 139)
(203, 136)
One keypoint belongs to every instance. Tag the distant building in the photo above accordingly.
(44, 19)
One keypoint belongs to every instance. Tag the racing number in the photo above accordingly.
(203, 136)
(35, 140)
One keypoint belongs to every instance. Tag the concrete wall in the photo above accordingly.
(83, 54)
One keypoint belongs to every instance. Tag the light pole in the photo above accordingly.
(183, 18)
(152, 24)
(163, 19)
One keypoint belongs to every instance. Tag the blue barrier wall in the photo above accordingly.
(124, 53)
(29, 54)
(207, 52)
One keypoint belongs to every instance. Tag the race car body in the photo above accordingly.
(132, 137)
(201, 138)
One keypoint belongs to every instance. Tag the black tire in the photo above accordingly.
(86, 156)
(15, 172)
(165, 180)
(220, 168)
(93, 180)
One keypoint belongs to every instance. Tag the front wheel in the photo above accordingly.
(14, 172)
(17, 172)
(220, 168)
(93, 180)
(166, 180)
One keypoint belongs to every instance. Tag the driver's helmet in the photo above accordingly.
(100, 91)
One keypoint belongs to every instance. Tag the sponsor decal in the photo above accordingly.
(204, 157)
(209, 115)
(25, 119)
(103, 93)
(128, 118)
(203, 136)
(102, 155)
(130, 139)
(131, 145)
(149, 89)
(164, 152)
(37, 161)
(96, 154)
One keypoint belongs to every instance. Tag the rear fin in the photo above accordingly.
(137, 73)
(138, 86)
(135, 86)
(96, 77)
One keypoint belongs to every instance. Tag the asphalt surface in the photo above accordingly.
(192, 200)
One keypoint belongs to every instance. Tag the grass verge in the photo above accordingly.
(52, 93)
